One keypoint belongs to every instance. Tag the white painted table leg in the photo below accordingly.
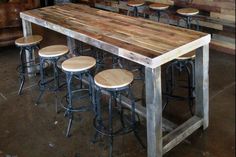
(154, 111)
(202, 84)
(27, 30)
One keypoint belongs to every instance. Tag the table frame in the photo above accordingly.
(157, 145)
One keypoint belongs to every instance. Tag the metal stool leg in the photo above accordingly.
(41, 83)
(189, 22)
(22, 76)
(189, 89)
(133, 119)
(56, 83)
(110, 125)
(191, 83)
(97, 114)
(170, 82)
(121, 112)
(135, 11)
(192, 63)
(197, 23)
(167, 16)
(168, 72)
(92, 92)
(158, 15)
(22, 80)
(69, 113)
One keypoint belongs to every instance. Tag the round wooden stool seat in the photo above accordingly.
(29, 40)
(189, 55)
(188, 11)
(53, 51)
(77, 64)
(158, 6)
(135, 3)
(113, 78)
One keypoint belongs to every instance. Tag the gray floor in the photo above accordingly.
(27, 130)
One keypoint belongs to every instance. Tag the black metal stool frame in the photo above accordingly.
(43, 83)
(160, 13)
(187, 65)
(25, 65)
(98, 122)
(69, 97)
(188, 21)
(135, 10)
(100, 56)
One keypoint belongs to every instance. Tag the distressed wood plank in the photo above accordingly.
(202, 84)
(27, 30)
(72, 44)
(154, 111)
(182, 132)
(135, 39)
(223, 46)
(140, 110)
(203, 6)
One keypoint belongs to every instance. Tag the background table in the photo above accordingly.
(144, 42)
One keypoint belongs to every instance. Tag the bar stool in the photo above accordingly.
(77, 66)
(182, 64)
(50, 54)
(160, 8)
(187, 15)
(134, 4)
(29, 43)
(114, 82)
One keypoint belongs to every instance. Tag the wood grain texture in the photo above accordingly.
(190, 55)
(135, 39)
(53, 51)
(72, 44)
(135, 3)
(183, 131)
(158, 6)
(77, 64)
(202, 84)
(154, 111)
(188, 11)
(113, 78)
(29, 40)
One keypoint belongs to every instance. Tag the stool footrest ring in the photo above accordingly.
(100, 128)
(76, 109)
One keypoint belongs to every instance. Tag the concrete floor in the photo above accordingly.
(27, 130)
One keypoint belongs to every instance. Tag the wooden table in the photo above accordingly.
(142, 41)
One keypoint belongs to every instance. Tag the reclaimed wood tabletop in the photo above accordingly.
(146, 42)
